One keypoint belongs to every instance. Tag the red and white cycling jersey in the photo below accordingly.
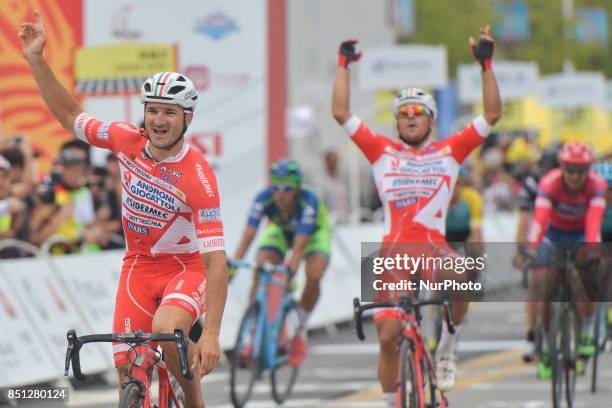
(170, 207)
(415, 186)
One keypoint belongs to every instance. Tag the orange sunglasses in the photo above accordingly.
(416, 110)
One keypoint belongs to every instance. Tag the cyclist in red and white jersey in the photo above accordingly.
(175, 264)
(415, 177)
(569, 211)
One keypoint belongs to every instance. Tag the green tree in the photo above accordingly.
(451, 22)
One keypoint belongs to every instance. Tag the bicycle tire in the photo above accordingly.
(408, 398)
(429, 388)
(600, 314)
(555, 355)
(131, 397)
(570, 328)
(280, 395)
(250, 316)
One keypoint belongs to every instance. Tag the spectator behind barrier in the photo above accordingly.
(18, 151)
(11, 208)
(108, 212)
(64, 207)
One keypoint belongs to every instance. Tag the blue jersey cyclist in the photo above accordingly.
(297, 220)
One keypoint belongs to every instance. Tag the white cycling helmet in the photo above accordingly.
(171, 88)
(417, 96)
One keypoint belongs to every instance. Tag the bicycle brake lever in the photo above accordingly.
(71, 336)
(179, 341)
(449, 318)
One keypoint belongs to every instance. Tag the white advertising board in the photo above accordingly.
(573, 90)
(21, 345)
(222, 47)
(403, 65)
(516, 80)
(52, 312)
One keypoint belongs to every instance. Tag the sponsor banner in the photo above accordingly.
(119, 61)
(403, 65)
(22, 109)
(516, 80)
(573, 90)
(93, 291)
(591, 25)
(24, 348)
(52, 311)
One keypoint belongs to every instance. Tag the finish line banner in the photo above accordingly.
(464, 271)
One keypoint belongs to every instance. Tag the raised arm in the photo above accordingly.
(341, 95)
(483, 52)
(60, 102)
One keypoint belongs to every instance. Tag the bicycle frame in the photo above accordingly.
(142, 362)
(268, 330)
(411, 332)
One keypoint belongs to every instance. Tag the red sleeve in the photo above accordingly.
(205, 203)
(542, 211)
(464, 142)
(595, 212)
(541, 220)
(371, 144)
(107, 135)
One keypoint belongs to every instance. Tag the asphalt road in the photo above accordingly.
(340, 371)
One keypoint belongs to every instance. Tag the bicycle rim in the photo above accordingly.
(555, 353)
(570, 346)
(408, 382)
(283, 375)
(131, 397)
(245, 368)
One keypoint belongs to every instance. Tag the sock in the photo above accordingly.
(447, 340)
(391, 399)
(303, 315)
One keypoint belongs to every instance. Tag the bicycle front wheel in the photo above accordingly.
(132, 398)
(246, 364)
(555, 356)
(408, 387)
(600, 319)
(571, 337)
(284, 374)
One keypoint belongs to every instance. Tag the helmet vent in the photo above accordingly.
(175, 89)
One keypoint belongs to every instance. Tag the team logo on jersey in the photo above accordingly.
(137, 228)
(146, 209)
(405, 203)
(204, 181)
(103, 131)
(168, 178)
(209, 214)
(144, 221)
(167, 169)
(127, 178)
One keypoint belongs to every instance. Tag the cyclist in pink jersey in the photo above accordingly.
(175, 264)
(415, 177)
(569, 211)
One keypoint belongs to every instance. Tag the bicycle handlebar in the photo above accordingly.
(139, 337)
(405, 303)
